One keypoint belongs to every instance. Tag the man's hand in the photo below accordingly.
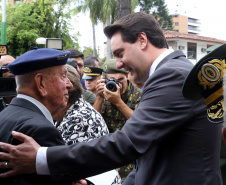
(100, 87)
(113, 97)
(21, 159)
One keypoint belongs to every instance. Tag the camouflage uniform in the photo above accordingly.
(89, 96)
(115, 119)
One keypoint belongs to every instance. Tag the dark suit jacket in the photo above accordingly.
(23, 116)
(169, 136)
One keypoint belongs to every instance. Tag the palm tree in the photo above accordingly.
(94, 7)
(104, 11)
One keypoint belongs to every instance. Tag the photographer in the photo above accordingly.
(5, 73)
(117, 106)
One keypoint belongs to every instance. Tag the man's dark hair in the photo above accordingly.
(90, 61)
(75, 53)
(133, 24)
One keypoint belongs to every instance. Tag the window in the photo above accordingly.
(192, 47)
(208, 45)
(176, 23)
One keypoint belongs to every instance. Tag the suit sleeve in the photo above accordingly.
(42, 131)
(162, 110)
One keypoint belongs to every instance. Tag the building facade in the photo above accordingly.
(185, 24)
(193, 46)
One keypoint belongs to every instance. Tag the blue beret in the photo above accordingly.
(38, 59)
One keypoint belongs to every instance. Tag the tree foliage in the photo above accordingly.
(158, 9)
(28, 21)
(88, 51)
(101, 11)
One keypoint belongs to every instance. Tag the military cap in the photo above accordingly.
(110, 67)
(38, 59)
(205, 80)
(91, 72)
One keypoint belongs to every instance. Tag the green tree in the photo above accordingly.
(95, 12)
(102, 11)
(28, 21)
(88, 51)
(158, 9)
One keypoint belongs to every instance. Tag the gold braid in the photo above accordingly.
(220, 64)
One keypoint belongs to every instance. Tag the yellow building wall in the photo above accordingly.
(183, 23)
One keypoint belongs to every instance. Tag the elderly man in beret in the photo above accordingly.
(117, 107)
(42, 86)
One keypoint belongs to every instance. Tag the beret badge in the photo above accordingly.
(62, 57)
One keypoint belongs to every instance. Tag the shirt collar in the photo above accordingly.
(44, 110)
(159, 59)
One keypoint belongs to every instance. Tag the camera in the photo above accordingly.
(7, 84)
(3, 69)
(111, 84)
(72, 62)
(7, 87)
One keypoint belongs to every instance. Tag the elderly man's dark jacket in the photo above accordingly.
(23, 116)
(168, 136)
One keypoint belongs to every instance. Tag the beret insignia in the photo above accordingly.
(61, 57)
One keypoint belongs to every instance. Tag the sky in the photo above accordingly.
(211, 14)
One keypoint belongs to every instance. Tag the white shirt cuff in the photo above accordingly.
(41, 162)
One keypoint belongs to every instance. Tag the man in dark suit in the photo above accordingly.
(42, 86)
(168, 136)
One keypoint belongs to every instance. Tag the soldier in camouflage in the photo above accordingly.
(117, 107)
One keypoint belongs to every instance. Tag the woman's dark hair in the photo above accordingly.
(77, 90)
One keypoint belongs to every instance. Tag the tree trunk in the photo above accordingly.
(123, 8)
(109, 53)
(94, 40)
